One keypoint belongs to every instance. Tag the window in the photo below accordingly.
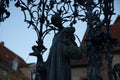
(15, 64)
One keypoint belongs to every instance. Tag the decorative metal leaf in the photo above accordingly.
(7, 3)
(29, 1)
(23, 8)
(17, 4)
(83, 19)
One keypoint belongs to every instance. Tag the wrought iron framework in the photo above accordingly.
(4, 13)
(97, 13)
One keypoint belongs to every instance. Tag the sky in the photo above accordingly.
(19, 39)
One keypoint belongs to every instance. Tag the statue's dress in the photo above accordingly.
(59, 64)
(63, 48)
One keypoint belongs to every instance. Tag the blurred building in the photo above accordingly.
(13, 67)
(79, 67)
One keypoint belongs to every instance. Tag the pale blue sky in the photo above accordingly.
(19, 39)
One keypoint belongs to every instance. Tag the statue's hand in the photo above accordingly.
(73, 51)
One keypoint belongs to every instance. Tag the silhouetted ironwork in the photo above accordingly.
(51, 15)
(38, 13)
(98, 40)
(4, 13)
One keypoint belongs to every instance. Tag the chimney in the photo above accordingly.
(2, 42)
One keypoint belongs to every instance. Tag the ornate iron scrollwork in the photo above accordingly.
(4, 13)
(41, 14)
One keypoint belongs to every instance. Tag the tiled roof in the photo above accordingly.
(7, 57)
(115, 29)
(118, 19)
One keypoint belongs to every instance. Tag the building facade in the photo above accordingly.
(12, 67)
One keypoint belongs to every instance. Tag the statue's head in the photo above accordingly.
(56, 20)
